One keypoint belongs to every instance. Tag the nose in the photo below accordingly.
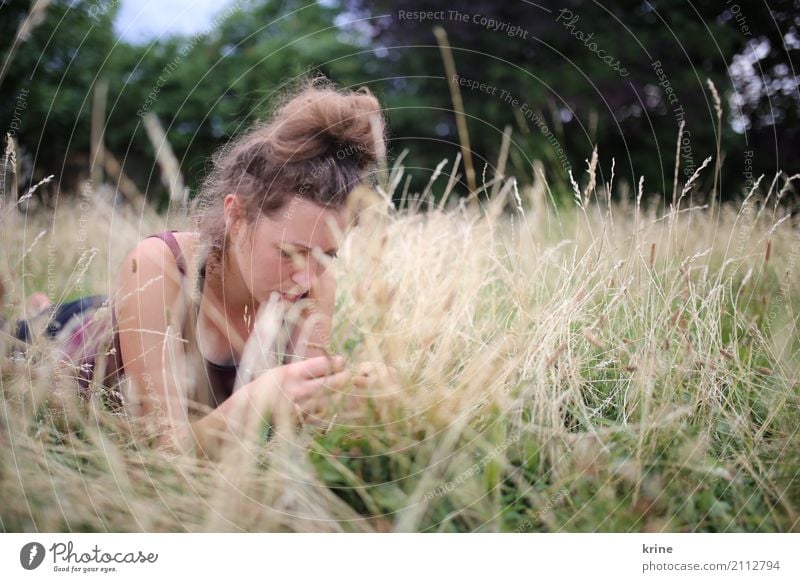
(305, 275)
(301, 278)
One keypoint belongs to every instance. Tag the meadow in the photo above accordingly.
(607, 364)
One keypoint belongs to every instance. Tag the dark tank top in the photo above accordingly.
(221, 378)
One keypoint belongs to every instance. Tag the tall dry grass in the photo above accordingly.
(593, 367)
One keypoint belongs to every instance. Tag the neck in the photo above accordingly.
(229, 294)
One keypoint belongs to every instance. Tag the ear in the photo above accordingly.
(233, 213)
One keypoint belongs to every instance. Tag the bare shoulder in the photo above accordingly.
(153, 251)
(153, 259)
(149, 280)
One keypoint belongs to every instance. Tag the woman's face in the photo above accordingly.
(287, 252)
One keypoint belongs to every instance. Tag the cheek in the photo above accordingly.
(247, 264)
(270, 270)
(265, 271)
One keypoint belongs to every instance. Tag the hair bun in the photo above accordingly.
(322, 122)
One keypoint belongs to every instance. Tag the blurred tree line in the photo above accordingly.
(562, 76)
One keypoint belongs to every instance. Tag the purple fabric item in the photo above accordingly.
(173, 245)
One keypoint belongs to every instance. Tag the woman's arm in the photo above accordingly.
(149, 316)
(282, 392)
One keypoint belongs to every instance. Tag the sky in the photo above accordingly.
(139, 21)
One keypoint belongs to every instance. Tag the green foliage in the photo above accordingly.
(546, 82)
(54, 69)
(205, 88)
(552, 65)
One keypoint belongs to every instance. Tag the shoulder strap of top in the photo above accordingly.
(173, 245)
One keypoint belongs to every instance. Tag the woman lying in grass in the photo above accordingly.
(269, 216)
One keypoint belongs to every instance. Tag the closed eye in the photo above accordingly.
(288, 253)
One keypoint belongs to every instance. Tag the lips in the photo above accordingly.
(291, 298)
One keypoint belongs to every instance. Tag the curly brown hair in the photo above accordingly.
(320, 143)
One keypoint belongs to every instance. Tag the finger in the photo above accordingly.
(365, 368)
(319, 366)
(313, 405)
(362, 382)
(320, 399)
(324, 404)
(332, 382)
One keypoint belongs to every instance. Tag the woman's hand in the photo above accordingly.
(301, 386)
(312, 330)
(373, 387)
(279, 394)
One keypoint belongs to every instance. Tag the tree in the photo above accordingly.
(47, 88)
(209, 87)
(620, 74)
(205, 87)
